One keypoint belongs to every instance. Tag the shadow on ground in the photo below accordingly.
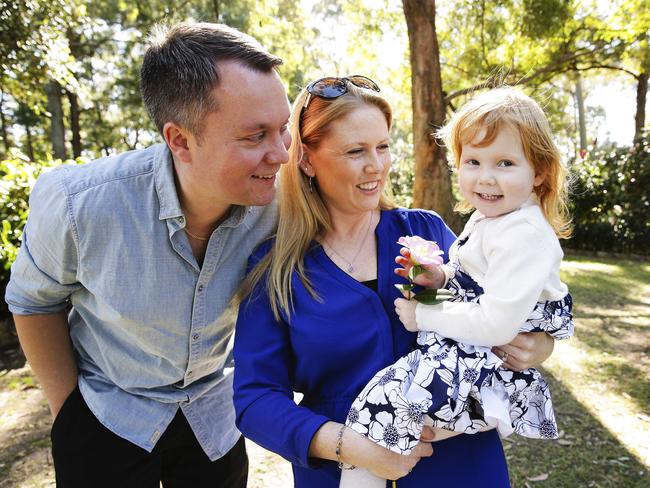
(586, 455)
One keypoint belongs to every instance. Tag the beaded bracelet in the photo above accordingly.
(339, 443)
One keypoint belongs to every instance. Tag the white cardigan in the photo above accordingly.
(516, 259)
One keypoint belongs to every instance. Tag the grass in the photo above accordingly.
(600, 382)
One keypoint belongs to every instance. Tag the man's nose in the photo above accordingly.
(278, 154)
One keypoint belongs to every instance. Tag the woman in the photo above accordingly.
(317, 315)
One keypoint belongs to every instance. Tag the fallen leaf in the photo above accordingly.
(539, 477)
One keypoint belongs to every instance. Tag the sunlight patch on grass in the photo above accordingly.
(619, 412)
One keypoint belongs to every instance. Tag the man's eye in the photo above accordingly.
(255, 137)
(356, 151)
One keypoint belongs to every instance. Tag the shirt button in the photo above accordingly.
(190, 374)
(195, 337)
(181, 220)
(200, 288)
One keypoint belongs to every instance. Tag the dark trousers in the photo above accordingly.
(88, 455)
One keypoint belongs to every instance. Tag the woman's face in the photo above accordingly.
(351, 163)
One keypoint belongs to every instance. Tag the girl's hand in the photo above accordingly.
(526, 350)
(405, 310)
(432, 278)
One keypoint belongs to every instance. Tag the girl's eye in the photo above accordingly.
(472, 162)
(505, 163)
(383, 147)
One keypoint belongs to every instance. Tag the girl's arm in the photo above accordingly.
(519, 258)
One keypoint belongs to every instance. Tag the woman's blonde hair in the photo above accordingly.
(303, 214)
(492, 110)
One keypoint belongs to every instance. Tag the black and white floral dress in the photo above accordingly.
(460, 387)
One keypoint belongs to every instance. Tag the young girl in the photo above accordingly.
(503, 272)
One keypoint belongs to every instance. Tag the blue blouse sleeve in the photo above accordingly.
(263, 396)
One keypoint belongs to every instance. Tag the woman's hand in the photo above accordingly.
(362, 452)
(395, 466)
(433, 277)
(526, 350)
(430, 434)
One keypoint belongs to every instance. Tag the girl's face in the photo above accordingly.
(352, 162)
(496, 179)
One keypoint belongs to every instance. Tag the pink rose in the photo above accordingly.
(423, 252)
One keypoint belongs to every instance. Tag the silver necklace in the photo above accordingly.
(351, 268)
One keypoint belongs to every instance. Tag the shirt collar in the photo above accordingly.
(163, 168)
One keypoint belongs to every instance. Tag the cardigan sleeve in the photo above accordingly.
(519, 261)
(265, 410)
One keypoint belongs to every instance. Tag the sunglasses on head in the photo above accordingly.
(333, 87)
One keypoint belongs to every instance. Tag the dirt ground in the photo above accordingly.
(25, 460)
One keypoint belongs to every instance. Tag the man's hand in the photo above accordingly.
(526, 350)
(406, 312)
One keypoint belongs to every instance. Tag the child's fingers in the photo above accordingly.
(402, 260)
(402, 272)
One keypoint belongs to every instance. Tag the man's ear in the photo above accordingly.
(177, 140)
(305, 165)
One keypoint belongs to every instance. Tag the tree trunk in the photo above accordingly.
(3, 125)
(641, 94)
(582, 127)
(57, 127)
(215, 9)
(74, 124)
(432, 183)
(30, 143)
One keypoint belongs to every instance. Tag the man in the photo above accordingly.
(145, 250)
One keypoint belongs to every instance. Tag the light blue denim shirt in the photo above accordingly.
(151, 329)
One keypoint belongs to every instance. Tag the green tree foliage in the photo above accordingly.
(610, 201)
(17, 178)
(93, 50)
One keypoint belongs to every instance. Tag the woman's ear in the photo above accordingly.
(305, 164)
(539, 179)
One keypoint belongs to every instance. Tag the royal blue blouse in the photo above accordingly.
(328, 351)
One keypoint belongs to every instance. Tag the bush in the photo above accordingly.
(610, 203)
(17, 177)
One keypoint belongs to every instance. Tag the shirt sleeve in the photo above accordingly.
(44, 274)
(263, 397)
(519, 262)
